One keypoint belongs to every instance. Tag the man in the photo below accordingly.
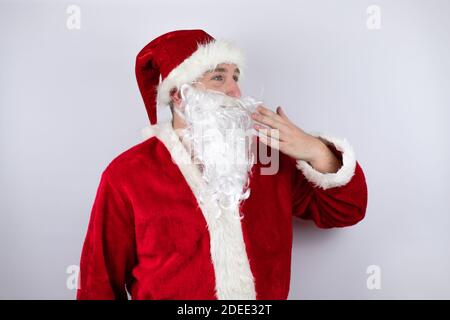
(176, 217)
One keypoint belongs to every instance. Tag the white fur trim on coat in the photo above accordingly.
(234, 279)
(206, 57)
(331, 180)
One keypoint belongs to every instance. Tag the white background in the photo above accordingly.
(69, 104)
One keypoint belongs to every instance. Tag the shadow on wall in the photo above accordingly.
(310, 233)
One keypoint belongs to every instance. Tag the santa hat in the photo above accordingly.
(179, 57)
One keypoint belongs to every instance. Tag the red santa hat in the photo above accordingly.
(179, 57)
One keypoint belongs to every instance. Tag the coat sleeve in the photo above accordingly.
(108, 253)
(330, 199)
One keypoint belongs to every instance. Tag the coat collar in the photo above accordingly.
(234, 279)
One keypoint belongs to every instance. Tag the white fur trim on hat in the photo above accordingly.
(331, 180)
(205, 58)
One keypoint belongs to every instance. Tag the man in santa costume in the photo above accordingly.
(191, 212)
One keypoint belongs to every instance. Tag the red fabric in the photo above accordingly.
(160, 57)
(148, 234)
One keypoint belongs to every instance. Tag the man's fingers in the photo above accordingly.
(269, 113)
(283, 115)
(269, 121)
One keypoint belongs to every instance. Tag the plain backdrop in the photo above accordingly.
(69, 104)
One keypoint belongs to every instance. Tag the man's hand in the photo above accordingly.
(293, 141)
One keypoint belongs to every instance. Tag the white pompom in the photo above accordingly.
(148, 132)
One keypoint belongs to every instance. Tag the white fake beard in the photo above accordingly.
(219, 135)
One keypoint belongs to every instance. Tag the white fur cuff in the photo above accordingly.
(331, 180)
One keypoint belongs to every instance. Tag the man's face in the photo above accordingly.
(216, 122)
(224, 79)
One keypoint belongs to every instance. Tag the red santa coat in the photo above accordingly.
(149, 234)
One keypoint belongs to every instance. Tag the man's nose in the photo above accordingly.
(233, 90)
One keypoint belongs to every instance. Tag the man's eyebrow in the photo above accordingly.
(220, 69)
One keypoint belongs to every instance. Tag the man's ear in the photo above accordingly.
(175, 96)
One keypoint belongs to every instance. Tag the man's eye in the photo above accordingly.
(220, 78)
